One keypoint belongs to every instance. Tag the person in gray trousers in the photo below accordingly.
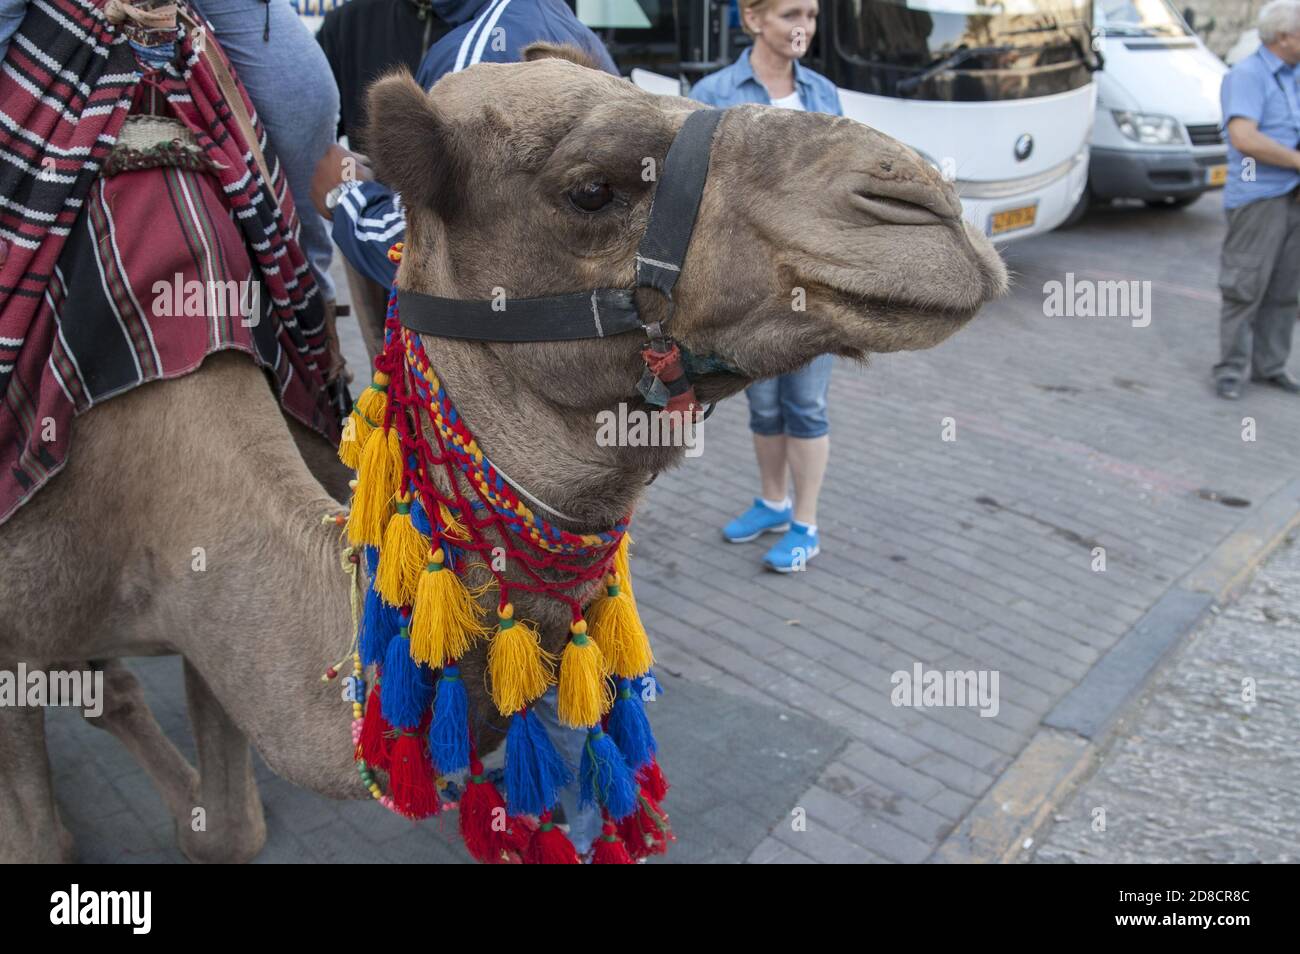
(1259, 274)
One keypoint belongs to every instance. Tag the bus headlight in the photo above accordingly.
(1147, 129)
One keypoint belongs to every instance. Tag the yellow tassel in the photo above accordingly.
(450, 528)
(401, 558)
(623, 565)
(518, 666)
(367, 414)
(378, 478)
(446, 620)
(617, 629)
(585, 693)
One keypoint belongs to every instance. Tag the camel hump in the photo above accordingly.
(542, 50)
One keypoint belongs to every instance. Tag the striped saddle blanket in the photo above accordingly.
(144, 224)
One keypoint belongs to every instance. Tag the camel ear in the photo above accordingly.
(413, 148)
(541, 50)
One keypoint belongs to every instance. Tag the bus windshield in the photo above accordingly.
(962, 50)
(1139, 18)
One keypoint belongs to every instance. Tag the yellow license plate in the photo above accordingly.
(1008, 220)
(1216, 175)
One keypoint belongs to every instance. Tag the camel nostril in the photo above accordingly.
(894, 211)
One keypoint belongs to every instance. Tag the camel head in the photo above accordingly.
(815, 234)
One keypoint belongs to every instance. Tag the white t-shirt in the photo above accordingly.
(790, 102)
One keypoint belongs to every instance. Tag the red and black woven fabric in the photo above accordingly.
(80, 319)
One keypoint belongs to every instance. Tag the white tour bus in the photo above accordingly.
(997, 94)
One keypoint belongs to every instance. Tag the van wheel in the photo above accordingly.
(1080, 209)
(1179, 202)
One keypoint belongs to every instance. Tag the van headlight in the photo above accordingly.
(1148, 129)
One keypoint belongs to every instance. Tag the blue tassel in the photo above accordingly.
(449, 734)
(606, 779)
(408, 690)
(379, 621)
(420, 517)
(535, 772)
(630, 728)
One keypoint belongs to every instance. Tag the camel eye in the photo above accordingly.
(591, 196)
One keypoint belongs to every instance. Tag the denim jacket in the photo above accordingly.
(737, 84)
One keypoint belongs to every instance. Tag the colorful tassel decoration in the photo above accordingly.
(367, 414)
(646, 831)
(652, 781)
(551, 846)
(606, 779)
(629, 727)
(518, 666)
(623, 564)
(585, 693)
(446, 620)
(427, 503)
(410, 774)
(490, 834)
(402, 557)
(378, 477)
(617, 628)
(379, 621)
(535, 771)
(450, 527)
(373, 744)
(449, 734)
(408, 689)
(610, 849)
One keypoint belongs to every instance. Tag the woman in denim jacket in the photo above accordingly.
(787, 414)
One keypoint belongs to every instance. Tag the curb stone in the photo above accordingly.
(1073, 735)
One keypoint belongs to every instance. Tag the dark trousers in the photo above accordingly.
(1259, 276)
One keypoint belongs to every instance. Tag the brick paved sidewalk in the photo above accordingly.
(975, 553)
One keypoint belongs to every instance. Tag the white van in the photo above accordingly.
(1157, 133)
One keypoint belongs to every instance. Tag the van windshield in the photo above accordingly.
(1139, 18)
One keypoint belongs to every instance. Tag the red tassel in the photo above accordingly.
(610, 849)
(373, 745)
(646, 831)
(410, 777)
(550, 846)
(481, 805)
(652, 780)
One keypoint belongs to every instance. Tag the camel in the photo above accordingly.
(100, 565)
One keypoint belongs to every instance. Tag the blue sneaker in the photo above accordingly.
(756, 521)
(793, 551)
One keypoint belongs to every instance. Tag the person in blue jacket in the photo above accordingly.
(367, 216)
(787, 415)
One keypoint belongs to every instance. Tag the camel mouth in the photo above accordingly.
(899, 310)
(716, 385)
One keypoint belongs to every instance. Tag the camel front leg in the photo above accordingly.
(30, 829)
(127, 716)
(231, 827)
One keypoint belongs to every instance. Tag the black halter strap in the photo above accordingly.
(601, 312)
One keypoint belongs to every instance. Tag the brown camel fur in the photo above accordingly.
(101, 563)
